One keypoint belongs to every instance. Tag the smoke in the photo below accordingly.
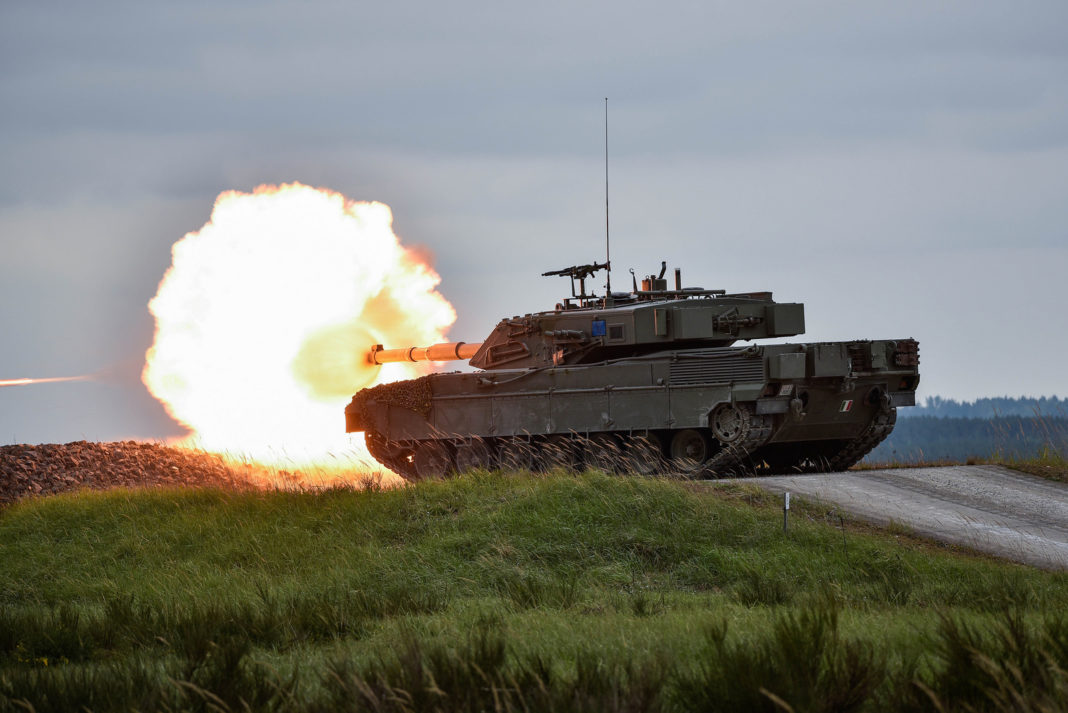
(265, 316)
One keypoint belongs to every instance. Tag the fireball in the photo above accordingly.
(265, 316)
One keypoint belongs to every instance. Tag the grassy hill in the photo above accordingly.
(506, 592)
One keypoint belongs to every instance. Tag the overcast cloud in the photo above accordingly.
(899, 167)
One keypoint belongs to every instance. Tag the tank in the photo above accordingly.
(655, 380)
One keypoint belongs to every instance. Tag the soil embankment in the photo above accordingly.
(55, 468)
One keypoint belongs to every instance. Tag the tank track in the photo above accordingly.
(380, 450)
(733, 459)
(855, 450)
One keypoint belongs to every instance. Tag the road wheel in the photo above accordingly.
(432, 460)
(729, 423)
(516, 454)
(473, 455)
(689, 449)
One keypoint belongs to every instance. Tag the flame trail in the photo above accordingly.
(47, 380)
(266, 313)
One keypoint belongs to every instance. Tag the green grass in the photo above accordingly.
(1050, 463)
(503, 591)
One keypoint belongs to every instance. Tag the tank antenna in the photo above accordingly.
(607, 242)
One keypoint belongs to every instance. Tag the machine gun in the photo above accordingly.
(580, 273)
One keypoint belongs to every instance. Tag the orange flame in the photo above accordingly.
(265, 316)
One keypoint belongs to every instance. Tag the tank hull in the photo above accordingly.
(705, 412)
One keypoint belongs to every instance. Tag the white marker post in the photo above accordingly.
(785, 510)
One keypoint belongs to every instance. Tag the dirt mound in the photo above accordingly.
(54, 468)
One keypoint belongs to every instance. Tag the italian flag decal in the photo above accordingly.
(846, 406)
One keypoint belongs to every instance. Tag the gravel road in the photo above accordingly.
(988, 508)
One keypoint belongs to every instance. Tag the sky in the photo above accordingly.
(899, 167)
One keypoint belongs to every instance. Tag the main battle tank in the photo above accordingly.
(645, 381)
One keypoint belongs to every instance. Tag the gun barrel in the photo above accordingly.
(449, 351)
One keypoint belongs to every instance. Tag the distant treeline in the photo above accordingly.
(933, 438)
(994, 407)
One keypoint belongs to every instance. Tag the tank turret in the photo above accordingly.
(586, 329)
